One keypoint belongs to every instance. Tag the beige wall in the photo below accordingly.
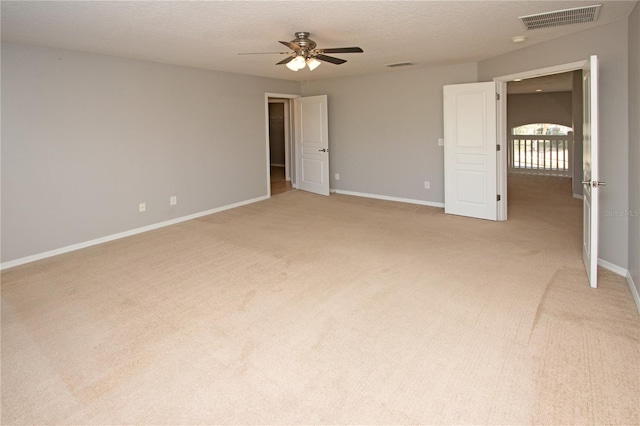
(634, 146)
(85, 138)
(610, 43)
(384, 130)
(529, 108)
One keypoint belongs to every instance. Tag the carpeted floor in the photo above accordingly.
(305, 309)
(279, 184)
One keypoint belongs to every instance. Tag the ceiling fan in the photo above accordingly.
(303, 52)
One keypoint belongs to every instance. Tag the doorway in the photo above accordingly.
(280, 152)
(590, 169)
(574, 68)
(279, 166)
(543, 115)
(306, 142)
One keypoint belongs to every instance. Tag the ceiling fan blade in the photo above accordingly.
(331, 59)
(291, 46)
(265, 53)
(342, 50)
(286, 60)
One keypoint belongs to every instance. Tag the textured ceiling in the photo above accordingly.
(211, 34)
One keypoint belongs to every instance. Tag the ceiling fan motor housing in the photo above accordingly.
(302, 40)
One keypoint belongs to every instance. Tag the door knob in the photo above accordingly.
(323, 150)
(594, 183)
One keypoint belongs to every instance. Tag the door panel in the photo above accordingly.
(590, 173)
(312, 140)
(470, 150)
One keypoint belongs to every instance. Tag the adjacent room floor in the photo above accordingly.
(304, 309)
(278, 182)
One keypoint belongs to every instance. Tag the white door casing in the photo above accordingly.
(312, 144)
(590, 170)
(470, 150)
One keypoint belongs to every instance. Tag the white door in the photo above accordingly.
(470, 186)
(312, 144)
(590, 175)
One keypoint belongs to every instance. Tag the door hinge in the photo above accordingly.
(498, 197)
(497, 96)
(498, 148)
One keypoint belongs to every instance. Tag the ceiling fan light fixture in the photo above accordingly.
(292, 65)
(299, 61)
(313, 63)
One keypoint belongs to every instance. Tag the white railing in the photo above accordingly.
(540, 154)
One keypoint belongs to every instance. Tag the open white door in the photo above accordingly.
(470, 150)
(590, 180)
(312, 144)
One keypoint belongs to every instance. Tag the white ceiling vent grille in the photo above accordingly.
(399, 64)
(576, 15)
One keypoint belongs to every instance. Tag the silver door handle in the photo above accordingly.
(594, 183)
(323, 150)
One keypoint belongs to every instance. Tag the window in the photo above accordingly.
(542, 129)
(541, 148)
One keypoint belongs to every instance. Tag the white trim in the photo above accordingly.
(501, 156)
(540, 72)
(634, 290)
(578, 196)
(74, 247)
(387, 198)
(613, 267)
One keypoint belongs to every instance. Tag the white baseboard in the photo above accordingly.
(387, 198)
(578, 196)
(634, 290)
(74, 247)
(624, 273)
(613, 268)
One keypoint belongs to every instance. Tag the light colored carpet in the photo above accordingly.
(304, 309)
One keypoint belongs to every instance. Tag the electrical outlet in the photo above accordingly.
(337, 176)
(440, 142)
(427, 184)
(173, 200)
(142, 207)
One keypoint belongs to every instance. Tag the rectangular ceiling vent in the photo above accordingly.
(576, 15)
(399, 64)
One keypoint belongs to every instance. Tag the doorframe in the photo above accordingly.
(289, 137)
(501, 89)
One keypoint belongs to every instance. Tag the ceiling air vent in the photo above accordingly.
(399, 64)
(576, 15)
